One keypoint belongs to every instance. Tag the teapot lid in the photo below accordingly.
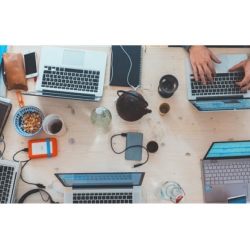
(134, 94)
(131, 105)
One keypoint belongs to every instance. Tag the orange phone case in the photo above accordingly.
(42, 148)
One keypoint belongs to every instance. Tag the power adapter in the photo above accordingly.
(42, 148)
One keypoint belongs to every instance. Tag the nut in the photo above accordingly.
(31, 122)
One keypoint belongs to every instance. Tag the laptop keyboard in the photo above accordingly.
(59, 78)
(103, 198)
(227, 173)
(224, 84)
(6, 174)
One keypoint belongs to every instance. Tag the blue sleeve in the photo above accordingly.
(186, 47)
(3, 49)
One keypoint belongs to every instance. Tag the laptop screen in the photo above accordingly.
(222, 104)
(101, 179)
(232, 149)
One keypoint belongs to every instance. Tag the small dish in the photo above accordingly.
(19, 123)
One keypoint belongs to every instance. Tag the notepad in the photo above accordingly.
(120, 65)
(5, 109)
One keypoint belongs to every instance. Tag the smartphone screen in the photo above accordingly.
(237, 199)
(30, 63)
(134, 153)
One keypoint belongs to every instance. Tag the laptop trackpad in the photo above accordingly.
(215, 194)
(223, 66)
(220, 193)
(74, 58)
(236, 189)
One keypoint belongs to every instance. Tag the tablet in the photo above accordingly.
(5, 109)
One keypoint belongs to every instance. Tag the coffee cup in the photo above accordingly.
(152, 146)
(164, 108)
(167, 86)
(54, 125)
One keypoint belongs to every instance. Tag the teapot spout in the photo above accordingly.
(147, 111)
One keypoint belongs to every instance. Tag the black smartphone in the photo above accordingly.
(134, 153)
(30, 64)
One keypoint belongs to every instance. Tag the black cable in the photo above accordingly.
(125, 135)
(43, 198)
(49, 197)
(33, 191)
(25, 162)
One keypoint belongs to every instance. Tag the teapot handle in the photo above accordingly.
(143, 100)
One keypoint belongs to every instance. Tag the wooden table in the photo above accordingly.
(183, 135)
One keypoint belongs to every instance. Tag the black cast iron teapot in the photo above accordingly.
(131, 105)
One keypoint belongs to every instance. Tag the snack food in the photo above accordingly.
(31, 122)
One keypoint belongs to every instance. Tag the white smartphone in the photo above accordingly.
(30, 63)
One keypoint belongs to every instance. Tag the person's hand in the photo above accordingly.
(201, 60)
(246, 80)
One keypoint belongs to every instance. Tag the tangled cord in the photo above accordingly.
(25, 162)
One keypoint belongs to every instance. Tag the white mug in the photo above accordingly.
(54, 125)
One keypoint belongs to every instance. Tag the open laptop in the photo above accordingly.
(9, 177)
(103, 188)
(226, 171)
(70, 74)
(223, 93)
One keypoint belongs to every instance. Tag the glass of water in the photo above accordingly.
(172, 191)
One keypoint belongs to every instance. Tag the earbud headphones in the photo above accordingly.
(33, 191)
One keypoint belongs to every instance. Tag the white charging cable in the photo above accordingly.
(59, 191)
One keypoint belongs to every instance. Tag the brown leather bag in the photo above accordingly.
(13, 71)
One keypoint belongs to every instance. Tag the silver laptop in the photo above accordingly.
(102, 188)
(223, 93)
(226, 171)
(9, 177)
(70, 74)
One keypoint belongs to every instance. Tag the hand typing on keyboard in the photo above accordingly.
(201, 60)
(246, 80)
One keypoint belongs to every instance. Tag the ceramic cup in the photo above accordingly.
(164, 108)
(152, 146)
(167, 86)
(54, 125)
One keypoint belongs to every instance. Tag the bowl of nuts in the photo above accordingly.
(28, 121)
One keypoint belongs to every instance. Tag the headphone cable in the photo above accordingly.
(25, 162)
(125, 135)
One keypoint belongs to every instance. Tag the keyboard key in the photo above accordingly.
(222, 85)
(233, 181)
(102, 198)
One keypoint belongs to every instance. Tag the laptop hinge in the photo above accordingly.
(68, 95)
(219, 97)
(102, 187)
